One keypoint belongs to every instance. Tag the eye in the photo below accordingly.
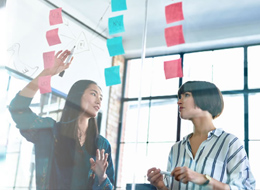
(93, 93)
(187, 94)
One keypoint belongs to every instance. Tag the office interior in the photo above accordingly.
(139, 116)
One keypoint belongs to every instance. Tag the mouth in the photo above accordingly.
(181, 108)
(96, 108)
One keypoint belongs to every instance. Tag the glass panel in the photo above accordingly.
(232, 118)
(222, 67)
(127, 168)
(130, 123)
(158, 155)
(161, 86)
(163, 120)
(253, 116)
(253, 67)
(186, 128)
(134, 78)
(254, 158)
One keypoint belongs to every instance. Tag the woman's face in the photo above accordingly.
(187, 107)
(91, 100)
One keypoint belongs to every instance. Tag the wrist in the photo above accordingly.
(206, 180)
(101, 179)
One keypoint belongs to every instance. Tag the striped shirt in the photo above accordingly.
(222, 156)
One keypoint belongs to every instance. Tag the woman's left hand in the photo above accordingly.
(185, 174)
(100, 165)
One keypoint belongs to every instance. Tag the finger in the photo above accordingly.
(106, 156)
(97, 154)
(102, 154)
(58, 53)
(92, 161)
(151, 170)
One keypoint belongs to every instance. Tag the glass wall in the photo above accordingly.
(16, 153)
(234, 71)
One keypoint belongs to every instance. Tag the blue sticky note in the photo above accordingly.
(116, 25)
(115, 46)
(112, 75)
(118, 5)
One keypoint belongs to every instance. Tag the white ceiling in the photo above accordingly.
(207, 23)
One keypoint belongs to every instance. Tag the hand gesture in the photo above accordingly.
(155, 178)
(59, 63)
(185, 174)
(99, 166)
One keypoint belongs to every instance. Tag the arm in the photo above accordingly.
(59, 66)
(26, 120)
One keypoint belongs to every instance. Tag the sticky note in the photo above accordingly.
(48, 59)
(116, 24)
(174, 13)
(112, 75)
(173, 69)
(53, 37)
(115, 46)
(55, 16)
(44, 84)
(174, 35)
(118, 5)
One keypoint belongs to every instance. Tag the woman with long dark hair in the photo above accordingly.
(70, 154)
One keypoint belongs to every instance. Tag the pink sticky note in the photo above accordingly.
(173, 69)
(53, 37)
(174, 13)
(48, 59)
(174, 35)
(44, 84)
(55, 16)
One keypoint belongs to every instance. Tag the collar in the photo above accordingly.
(216, 132)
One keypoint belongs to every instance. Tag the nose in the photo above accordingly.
(98, 100)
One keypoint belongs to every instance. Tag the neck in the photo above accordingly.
(202, 125)
(82, 128)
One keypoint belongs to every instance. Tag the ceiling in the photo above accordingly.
(207, 23)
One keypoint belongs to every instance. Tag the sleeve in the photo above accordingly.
(108, 183)
(239, 172)
(27, 121)
(168, 179)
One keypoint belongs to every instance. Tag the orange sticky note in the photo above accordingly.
(173, 69)
(174, 35)
(48, 59)
(55, 16)
(44, 84)
(53, 37)
(174, 13)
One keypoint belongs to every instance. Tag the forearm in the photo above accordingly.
(32, 87)
(217, 185)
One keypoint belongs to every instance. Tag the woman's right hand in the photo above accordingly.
(156, 178)
(59, 63)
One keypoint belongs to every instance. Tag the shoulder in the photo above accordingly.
(102, 142)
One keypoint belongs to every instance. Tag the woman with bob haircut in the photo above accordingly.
(69, 154)
(208, 158)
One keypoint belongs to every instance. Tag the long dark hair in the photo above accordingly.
(70, 114)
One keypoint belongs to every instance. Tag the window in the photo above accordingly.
(157, 129)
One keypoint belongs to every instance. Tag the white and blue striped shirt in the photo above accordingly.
(222, 156)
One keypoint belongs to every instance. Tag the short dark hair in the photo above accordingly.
(206, 96)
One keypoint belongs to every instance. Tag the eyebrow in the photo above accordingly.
(96, 92)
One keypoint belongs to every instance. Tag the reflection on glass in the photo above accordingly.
(222, 67)
(232, 118)
(254, 160)
(253, 116)
(253, 67)
(163, 120)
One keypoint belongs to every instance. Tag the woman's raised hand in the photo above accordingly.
(156, 178)
(99, 166)
(59, 63)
